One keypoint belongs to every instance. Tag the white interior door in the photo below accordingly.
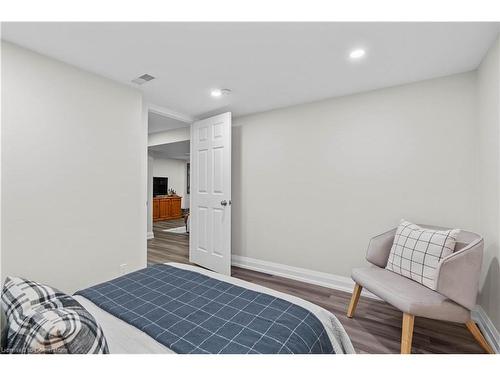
(210, 214)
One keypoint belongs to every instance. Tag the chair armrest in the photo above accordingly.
(457, 275)
(380, 247)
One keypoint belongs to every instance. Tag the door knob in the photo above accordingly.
(223, 203)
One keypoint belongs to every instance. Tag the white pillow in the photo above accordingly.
(416, 252)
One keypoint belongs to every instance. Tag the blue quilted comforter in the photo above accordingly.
(192, 313)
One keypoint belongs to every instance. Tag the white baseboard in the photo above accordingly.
(150, 235)
(487, 328)
(345, 284)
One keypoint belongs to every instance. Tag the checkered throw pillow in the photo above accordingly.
(19, 296)
(416, 252)
(41, 319)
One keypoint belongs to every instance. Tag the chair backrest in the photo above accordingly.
(457, 276)
(465, 238)
(380, 246)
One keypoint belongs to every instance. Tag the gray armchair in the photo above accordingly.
(456, 286)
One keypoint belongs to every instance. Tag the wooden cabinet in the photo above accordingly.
(164, 208)
(175, 207)
(156, 209)
(167, 207)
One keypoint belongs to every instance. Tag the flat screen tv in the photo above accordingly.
(160, 186)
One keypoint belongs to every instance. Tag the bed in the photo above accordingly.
(125, 310)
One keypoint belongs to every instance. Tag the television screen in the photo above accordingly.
(160, 186)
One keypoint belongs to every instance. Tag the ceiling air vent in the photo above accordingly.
(143, 79)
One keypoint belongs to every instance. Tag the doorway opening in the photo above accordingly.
(189, 190)
(168, 189)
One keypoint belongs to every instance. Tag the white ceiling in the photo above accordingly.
(158, 123)
(266, 65)
(176, 150)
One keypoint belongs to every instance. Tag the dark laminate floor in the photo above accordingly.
(376, 327)
(168, 247)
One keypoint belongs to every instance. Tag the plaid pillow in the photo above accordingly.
(51, 322)
(19, 296)
(416, 252)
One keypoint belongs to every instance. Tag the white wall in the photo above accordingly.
(489, 168)
(312, 183)
(175, 170)
(73, 173)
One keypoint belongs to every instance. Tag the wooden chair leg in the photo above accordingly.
(354, 300)
(474, 329)
(407, 333)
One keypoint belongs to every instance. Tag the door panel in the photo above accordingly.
(218, 232)
(202, 171)
(202, 227)
(176, 208)
(218, 170)
(169, 208)
(156, 209)
(210, 232)
(163, 208)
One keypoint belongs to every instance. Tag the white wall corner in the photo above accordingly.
(150, 235)
(345, 284)
(487, 327)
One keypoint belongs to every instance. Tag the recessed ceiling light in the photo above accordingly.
(357, 53)
(217, 93)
